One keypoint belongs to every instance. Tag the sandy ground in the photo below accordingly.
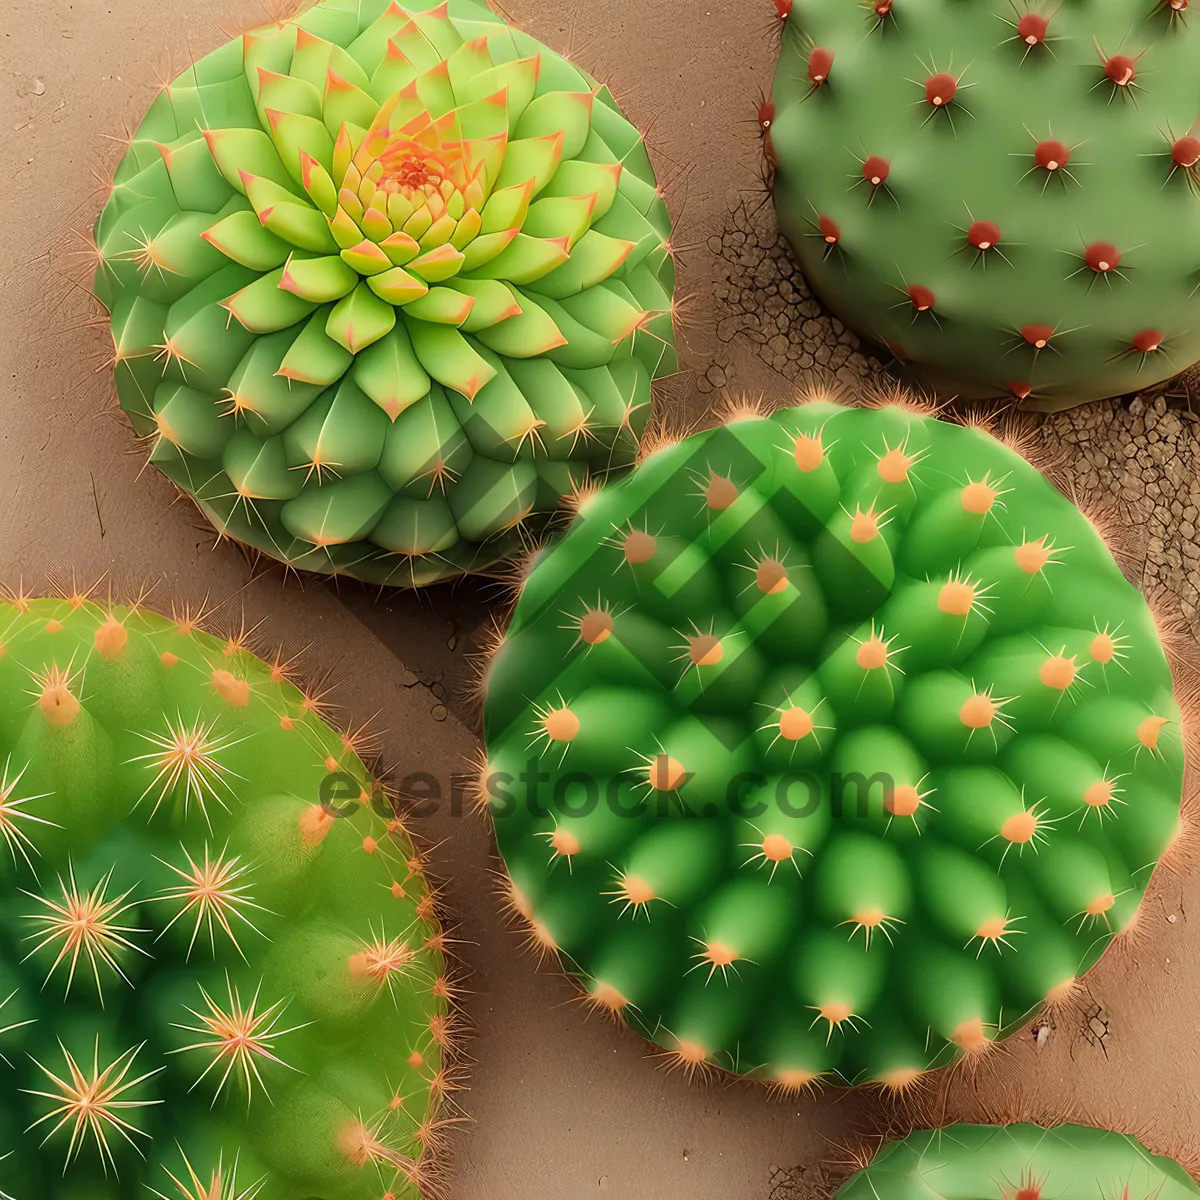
(563, 1105)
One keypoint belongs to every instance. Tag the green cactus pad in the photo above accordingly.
(1018, 1162)
(386, 282)
(1002, 193)
(221, 973)
(830, 744)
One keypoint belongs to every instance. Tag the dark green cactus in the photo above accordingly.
(831, 744)
(1018, 1162)
(221, 975)
(1003, 193)
(386, 282)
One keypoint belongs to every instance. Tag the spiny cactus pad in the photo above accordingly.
(1004, 193)
(1018, 1162)
(830, 743)
(210, 987)
(385, 283)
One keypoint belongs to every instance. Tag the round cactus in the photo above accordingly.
(1005, 194)
(830, 743)
(386, 282)
(221, 972)
(1018, 1162)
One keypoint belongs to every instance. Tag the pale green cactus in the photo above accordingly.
(1002, 193)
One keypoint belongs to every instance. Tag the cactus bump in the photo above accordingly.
(829, 745)
(385, 283)
(1004, 195)
(1019, 1162)
(221, 971)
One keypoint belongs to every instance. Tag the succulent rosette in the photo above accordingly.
(386, 282)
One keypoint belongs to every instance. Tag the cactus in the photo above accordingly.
(1018, 1162)
(1003, 194)
(385, 283)
(830, 744)
(210, 987)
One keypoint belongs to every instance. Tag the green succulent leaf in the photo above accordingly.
(361, 318)
(318, 279)
(244, 239)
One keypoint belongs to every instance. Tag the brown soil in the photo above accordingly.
(564, 1104)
